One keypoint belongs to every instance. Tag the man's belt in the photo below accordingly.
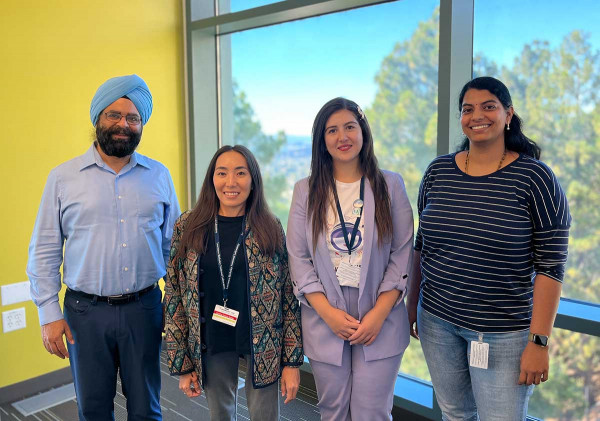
(113, 299)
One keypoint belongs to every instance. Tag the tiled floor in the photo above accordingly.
(175, 406)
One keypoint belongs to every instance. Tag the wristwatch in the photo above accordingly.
(541, 340)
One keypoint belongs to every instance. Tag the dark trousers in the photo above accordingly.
(110, 338)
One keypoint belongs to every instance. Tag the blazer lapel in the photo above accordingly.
(326, 268)
(322, 250)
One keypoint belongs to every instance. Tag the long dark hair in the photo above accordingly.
(514, 139)
(262, 222)
(321, 181)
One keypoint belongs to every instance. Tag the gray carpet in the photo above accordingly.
(175, 406)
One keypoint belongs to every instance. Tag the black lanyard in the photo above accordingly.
(358, 204)
(233, 256)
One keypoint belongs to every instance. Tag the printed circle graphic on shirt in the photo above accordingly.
(337, 238)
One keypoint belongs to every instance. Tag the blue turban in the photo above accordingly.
(132, 87)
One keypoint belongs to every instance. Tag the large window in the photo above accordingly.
(283, 74)
(553, 76)
(279, 62)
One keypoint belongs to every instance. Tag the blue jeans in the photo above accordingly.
(469, 393)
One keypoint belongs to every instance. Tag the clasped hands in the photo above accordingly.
(348, 328)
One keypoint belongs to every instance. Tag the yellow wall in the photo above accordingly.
(54, 55)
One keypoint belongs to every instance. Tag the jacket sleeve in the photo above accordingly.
(397, 271)
(293, 354)
(179, 360)
(302, 270)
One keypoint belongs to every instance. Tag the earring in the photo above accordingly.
(508, 126)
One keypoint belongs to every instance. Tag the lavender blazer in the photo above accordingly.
(384, 268)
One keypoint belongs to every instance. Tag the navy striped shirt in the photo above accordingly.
(483, 239)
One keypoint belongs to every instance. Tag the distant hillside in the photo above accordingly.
(293, 159)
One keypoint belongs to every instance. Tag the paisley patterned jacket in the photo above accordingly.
(274, 312)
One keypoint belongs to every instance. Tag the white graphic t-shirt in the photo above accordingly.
(347, 266)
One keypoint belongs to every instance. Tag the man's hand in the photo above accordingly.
(290, 382)
(369, 328)
(341, 323)
(189, 385)
(52, 336)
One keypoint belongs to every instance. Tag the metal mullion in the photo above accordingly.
(455, 66)
(276, 13)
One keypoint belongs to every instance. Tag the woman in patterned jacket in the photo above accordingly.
(228, 294)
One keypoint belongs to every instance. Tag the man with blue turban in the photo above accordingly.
(107, 216)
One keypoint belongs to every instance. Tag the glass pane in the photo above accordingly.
(553, 73)
(232, 6)
(572, 391)
(384, 57)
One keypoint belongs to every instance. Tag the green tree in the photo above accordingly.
(248, 132)
(403, 120)
(403, 116)
(555, 92)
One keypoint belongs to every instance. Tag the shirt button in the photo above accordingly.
(203, 347)
(125, 269)
(122, 220)
(201, 294)
(202, 320)
(119, 196)
(124, 245)
(126, 289)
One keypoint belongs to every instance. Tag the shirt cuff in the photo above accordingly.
(50, 313)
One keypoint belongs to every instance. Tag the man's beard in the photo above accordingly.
(117, 147)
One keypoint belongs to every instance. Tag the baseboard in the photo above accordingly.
(24, 389)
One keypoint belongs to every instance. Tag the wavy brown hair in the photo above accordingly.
(321, 181)
(261, 221)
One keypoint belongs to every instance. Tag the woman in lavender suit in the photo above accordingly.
(349, 240)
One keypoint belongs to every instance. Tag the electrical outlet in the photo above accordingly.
(13, 319)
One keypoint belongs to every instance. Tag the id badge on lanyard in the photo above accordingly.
(222, 313)
(349, 275)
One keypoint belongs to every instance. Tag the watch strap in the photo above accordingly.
(541, 340)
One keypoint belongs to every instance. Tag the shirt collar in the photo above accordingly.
(92, 157)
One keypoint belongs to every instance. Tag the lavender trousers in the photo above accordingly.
(358, 390)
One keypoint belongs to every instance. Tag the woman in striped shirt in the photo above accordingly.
(489, 261)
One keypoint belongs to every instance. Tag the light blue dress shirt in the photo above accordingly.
(115, 228)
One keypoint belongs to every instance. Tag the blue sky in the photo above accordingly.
(288, 71)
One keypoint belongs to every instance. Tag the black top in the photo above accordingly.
(219, 337)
